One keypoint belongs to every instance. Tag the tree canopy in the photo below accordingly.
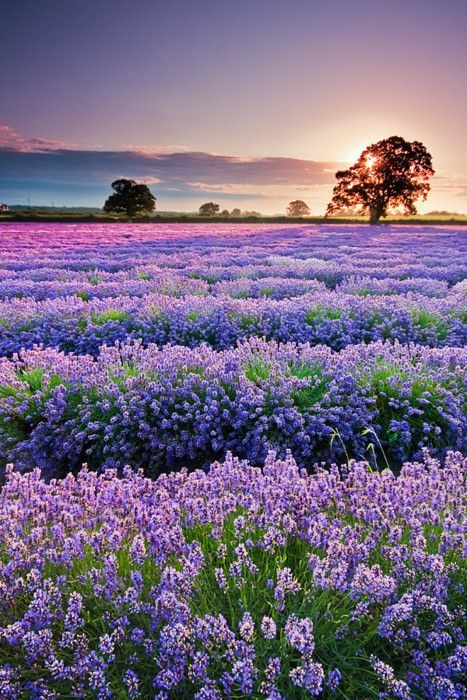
(130, 198)
(209, 209)
(391, 173)
(298, 208)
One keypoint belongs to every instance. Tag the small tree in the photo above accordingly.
(130, 198)
(298, 208)
(390, 173)
(209, 209)
(235, 213)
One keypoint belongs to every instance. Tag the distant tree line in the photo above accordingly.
(389, 174)
(212, 209)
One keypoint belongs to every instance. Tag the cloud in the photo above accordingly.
(451, 184)
(191, 171)
(151, 152)
(13, 141)
(205, 187)
(257, 191)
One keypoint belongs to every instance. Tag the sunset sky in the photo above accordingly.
(249, 103)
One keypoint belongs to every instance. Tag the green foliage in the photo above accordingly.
(27, 396)
(315, 384)
(257, 370)
(332, 611)
(427, 321)
(130, 198)
(99, 319)
(320, 312)
(120, 373)
(184, 371)
(265, 292)
(240, 556)
(400, 396)
(248, 321)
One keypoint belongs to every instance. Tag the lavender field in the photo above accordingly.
(273, 424)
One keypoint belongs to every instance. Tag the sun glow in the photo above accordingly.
(370, 162)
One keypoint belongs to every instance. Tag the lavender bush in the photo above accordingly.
(240, 582)
(332, 319)
(158, 409)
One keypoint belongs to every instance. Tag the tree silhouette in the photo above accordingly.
(208, 209)
(390, 173)
(298, 208)
(130, 198)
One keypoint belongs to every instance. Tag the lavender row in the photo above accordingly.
(329, 318)
(240, 582)
(162, 408)
(215, 253)
(375, 278)
(93, 287)
(177, 285)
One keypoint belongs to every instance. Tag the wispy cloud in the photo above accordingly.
(257, 190)
(452, 184)
(150, 151)
(189, 170)
(13, 141)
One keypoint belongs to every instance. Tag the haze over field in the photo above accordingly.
(250, 104)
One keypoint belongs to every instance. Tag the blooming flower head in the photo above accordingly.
(268, 627)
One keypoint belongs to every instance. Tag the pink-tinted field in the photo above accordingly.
(48, 236)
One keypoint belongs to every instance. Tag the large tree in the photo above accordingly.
(130, 198)
(390, 173)
(209, 209)
(298, 208)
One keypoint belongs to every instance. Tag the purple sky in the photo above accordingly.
(251, 103)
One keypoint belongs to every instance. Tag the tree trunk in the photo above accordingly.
(375, 215)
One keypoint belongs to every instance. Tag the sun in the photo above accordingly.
(370, 162)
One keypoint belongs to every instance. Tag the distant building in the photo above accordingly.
(4, 207)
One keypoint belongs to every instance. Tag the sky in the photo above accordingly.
(248, 103)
